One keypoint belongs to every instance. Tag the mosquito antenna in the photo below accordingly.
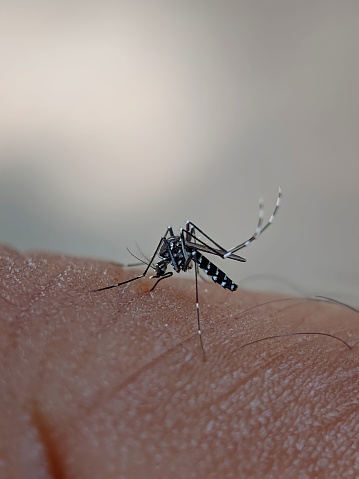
(143, 254)
(295, 334)
(140, 259)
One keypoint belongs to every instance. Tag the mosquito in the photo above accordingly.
(186, 249)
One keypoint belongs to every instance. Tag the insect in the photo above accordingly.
(185, 250)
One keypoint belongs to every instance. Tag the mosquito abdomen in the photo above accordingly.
(217, 275)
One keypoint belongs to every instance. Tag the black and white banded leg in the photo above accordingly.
(217, 249)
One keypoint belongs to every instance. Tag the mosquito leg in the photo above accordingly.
(117, 284)
(169, 231)
(259, 230)
(270, 221)
(190, 230)
(187, 257)
(254, 236)
(136, 277)
(198, 245)
(230, 253)
(197, 310)
(202, 276)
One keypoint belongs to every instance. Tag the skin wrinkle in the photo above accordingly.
(145, 368)
(42, 357)
(6, 300)
(180, 397)
(130, 380)
(225, 396)
(37, 294)
(328, 433)
(325, 422)
(248, 378)
(55, 464)
(232, 392)
(202, 407)
(333, 424)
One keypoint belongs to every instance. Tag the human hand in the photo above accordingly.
(113, 384)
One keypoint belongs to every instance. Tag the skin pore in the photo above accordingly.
(113, 384)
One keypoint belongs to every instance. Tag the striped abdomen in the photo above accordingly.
(216, 274)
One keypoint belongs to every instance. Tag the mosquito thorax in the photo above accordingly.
(171, 252)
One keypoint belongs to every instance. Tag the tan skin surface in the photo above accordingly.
(113, 384)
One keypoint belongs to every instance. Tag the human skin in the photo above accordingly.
(113, 384)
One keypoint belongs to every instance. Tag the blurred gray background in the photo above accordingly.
(120, 118)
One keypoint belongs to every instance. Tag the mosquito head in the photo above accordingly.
(161, 267)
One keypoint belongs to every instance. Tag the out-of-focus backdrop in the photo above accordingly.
(120, 118)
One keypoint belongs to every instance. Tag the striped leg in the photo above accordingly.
(197, 309)
(217, 249)
(259, 230)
